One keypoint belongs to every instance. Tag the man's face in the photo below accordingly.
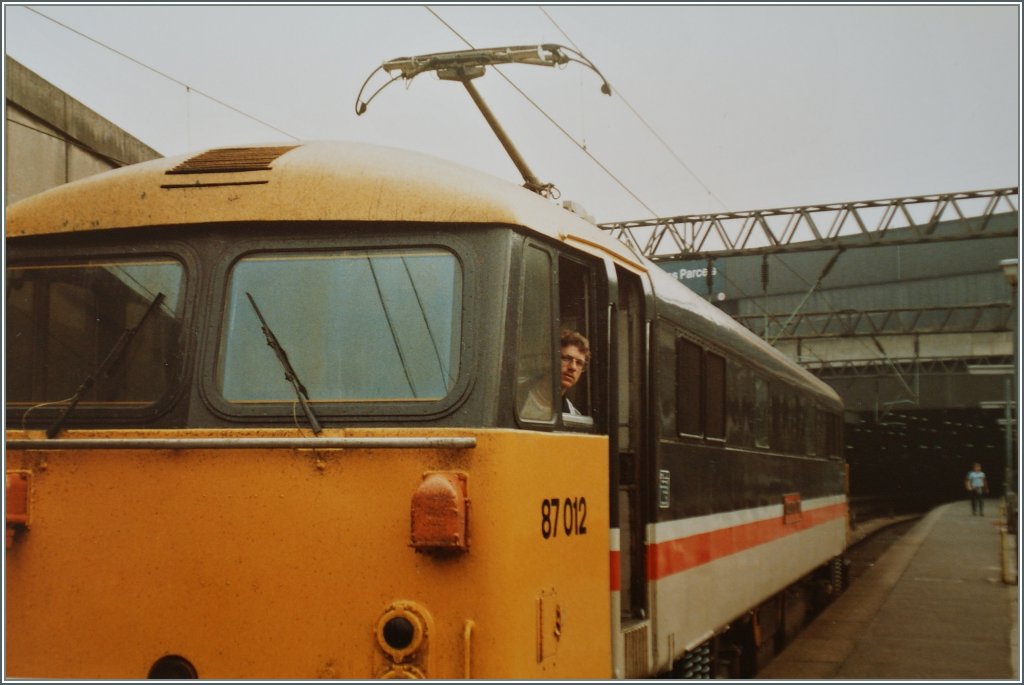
(573, 363)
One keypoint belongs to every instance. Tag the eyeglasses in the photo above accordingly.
(569, 360)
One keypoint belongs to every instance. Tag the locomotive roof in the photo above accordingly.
(325, 181)
(314, 181)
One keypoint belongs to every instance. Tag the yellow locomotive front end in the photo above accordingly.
(426, 553)
(336, 411)
(263, 421)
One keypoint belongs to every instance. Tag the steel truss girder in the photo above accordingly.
(875, 368)
(872, 223)
(976, 318)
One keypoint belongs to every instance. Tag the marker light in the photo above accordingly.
(440, 513)
(17, 510)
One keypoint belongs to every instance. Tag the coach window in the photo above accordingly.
(762, 412)
(808, 420)
(833, 436)
(535, 371)
(714, 375)
(689, 387)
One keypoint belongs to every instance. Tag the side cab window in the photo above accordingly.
(575, 307)
(557, 296)
(535, 363)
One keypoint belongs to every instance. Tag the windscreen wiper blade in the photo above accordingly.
(289, 372)
(105, 366)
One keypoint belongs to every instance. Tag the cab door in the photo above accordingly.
(629, 460)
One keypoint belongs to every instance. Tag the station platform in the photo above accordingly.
(941, 603)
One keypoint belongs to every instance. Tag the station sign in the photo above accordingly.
(694, 275)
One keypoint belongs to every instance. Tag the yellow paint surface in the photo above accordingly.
(278, 563)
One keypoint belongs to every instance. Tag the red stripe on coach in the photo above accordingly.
(675, 556)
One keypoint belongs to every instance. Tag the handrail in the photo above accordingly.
(244, 443)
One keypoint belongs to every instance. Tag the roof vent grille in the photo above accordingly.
(231, 159)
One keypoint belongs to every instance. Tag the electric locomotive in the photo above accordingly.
(266, 419)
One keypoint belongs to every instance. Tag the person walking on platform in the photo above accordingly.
(977, 485)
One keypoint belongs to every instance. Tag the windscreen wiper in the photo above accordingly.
(289, 372)
(104, 368)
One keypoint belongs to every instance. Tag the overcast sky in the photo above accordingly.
(715, 107)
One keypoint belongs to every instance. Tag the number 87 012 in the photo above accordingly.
(566, 517)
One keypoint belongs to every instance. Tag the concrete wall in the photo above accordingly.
(52, 138)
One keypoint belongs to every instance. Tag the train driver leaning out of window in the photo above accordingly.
(575, 356)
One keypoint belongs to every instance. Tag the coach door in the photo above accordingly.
(629, 460)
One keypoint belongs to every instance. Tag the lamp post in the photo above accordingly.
(1009, 268)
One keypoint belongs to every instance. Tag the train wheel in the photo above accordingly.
(695, 664)
(840, 569)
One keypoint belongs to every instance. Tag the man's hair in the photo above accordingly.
(575, 338)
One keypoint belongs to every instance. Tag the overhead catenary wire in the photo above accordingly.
(550, 119)
(671, 151)
(567, 134)
(577, 143)
(191, 89)
(188, 88)
(696, 178)
(711, 193)
(644, 121)
(679, 159)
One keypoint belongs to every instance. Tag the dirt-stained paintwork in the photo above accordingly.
(279, 563)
